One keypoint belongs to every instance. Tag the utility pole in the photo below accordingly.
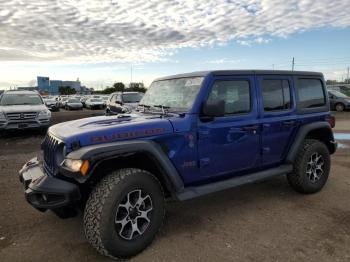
(131, 74)
(273, 66)
(347, 78)
(293, 64)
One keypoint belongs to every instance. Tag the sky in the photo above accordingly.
(105, 41)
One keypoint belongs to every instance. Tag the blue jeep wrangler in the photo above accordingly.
(191, 135)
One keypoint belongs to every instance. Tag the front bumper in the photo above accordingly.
(45, 192)
(33, 124)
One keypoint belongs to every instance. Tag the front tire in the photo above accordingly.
(311, 167)
(124, 212)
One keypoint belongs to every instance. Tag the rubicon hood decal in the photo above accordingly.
(126, 135)
(104, 129)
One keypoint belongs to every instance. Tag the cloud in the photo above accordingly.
(224, 61)
(144, 31)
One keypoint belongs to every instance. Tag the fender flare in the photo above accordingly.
(97, 153)
(301, 135)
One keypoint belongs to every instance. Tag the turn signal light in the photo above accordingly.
(84, 168)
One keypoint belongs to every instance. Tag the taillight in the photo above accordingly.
(331, 121)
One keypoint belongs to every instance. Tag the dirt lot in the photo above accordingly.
(265, 221)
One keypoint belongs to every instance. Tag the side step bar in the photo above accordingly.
(192, 192)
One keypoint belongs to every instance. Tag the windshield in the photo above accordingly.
(178, 94)
(20, 99)
(132, 98)
(96, 100)
(338, 94)
(73, 101)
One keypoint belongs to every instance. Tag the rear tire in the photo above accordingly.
(117, 209)
(339, 107)
(311, 167)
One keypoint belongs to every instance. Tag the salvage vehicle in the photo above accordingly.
(51, 104)
(23, 110)
(94, 103)
(338, 101)
(123, 102)
(193, 134)
(73, 104)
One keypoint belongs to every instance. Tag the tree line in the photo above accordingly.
(117, 87)
(120, 87)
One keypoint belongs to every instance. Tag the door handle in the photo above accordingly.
(251, 128)
(289, 123)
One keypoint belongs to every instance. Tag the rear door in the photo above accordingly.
(278, 116)
(230, 145)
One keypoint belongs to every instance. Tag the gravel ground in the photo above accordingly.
(265, 221)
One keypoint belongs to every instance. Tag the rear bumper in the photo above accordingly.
(45, 192)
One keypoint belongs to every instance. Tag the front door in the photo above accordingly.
(230, 145)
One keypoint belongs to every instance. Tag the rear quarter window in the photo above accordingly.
(310, 93)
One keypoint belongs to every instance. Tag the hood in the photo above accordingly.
(106, 129)
(74, 104)
(131, 105)
(22, 108)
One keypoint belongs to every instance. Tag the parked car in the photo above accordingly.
(62, 101)
(338, 100)
(94, 103)
(194, 134)
(23, 110)
(51, 104)
(73, 104)
(123, 102)
(83, 100)
(105, 100)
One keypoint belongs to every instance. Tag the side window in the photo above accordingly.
(112, 98)
(310, 93)
(235, 93)
(276, 94)
(118, 98)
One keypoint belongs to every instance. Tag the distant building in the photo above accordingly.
(55, 87)
(43, 84)
(73, 84)
(1, 91)
(52, 87)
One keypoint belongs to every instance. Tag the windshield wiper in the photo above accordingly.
(164, 109)
(145, 106)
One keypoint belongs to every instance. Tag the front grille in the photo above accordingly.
(53, 151)
(21, 116)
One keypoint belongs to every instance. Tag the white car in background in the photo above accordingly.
(73, 104)
(23, 110)
(62, 101)
(94, 103)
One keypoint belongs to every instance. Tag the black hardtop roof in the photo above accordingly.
(242, 72)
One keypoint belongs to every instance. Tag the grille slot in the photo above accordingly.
(21, 116)
(52, 150)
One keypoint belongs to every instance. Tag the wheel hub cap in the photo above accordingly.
(315, 166)
(133, 214)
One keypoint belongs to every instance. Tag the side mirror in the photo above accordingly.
(214, 108)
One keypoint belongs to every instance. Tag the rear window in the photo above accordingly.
(311, 93)
(276, 95)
